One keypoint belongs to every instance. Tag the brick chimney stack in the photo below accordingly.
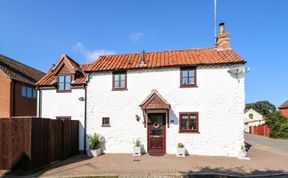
(223, 39)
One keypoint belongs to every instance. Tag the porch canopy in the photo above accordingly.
(154, 101)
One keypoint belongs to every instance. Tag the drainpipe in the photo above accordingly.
(85, 116)
(39, 102)
(14, 98)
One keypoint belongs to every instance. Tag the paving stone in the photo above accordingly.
(261, 162)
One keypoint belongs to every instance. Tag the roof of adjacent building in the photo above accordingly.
(284, 105)
(51, 77)
(18, 71)
(202, 56)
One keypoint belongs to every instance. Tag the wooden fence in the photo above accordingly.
(30, 143)
(263, 130)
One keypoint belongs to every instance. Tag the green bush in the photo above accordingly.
(137, 142)
(263, 107)
(278, 124)
(180, 145)
(95, 141)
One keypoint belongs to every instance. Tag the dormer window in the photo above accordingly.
(64, 82)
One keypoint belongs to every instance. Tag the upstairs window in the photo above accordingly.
(64, 82)
(24, 91)
(188, 77)
(28, 92)
(188, 122)
(119, 80)
(34, 94)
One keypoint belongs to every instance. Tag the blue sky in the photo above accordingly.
(37, 33)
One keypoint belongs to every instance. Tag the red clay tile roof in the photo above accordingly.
(51, 78)
(201, 56)
(204, 56)
(18, 71)
(82, 79)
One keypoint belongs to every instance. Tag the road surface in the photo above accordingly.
(269, 144)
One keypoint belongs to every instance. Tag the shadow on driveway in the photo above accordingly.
(227, 173)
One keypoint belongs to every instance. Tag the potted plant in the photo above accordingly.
(137, 147)
(180, 150)
(95, 141)
(242, 153)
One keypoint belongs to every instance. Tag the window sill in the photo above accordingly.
(119, 89)
(188, 86)
(195, 132)
(64, 91)
(28, 98)
(105, 125)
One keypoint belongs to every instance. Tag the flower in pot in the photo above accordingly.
(137, 147)
(180, 150)
(95, 141)
(242, 153)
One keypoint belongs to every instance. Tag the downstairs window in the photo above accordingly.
(188, 122)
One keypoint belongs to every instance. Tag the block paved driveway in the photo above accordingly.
(261, 162)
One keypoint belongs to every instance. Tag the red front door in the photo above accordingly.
(156, 132)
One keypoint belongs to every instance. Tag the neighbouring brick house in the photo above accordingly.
(18, 96)
(284, 108)
(192, 96)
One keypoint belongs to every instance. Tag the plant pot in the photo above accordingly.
(242, 155)
(137, 151)
(180, 152)
(93, 153)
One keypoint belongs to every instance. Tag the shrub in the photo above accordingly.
(95, 141)
(180, 145)
(278, 124)
(137, 142)
(263, 107)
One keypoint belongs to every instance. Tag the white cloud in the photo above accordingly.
(136, 36)
(91, 55)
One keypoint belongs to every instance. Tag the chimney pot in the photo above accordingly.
(222, 28)
(223, 38)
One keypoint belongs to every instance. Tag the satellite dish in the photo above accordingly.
(236, 70)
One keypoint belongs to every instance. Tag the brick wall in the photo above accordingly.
(24, 106)
(4, 95)
(284, 111)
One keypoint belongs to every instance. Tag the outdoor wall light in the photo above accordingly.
(137, 118)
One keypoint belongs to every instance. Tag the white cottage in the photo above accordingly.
(61, 94)
(194, 96)
(252, 118)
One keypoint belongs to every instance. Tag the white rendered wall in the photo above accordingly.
(65, 104)
(219, 99)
